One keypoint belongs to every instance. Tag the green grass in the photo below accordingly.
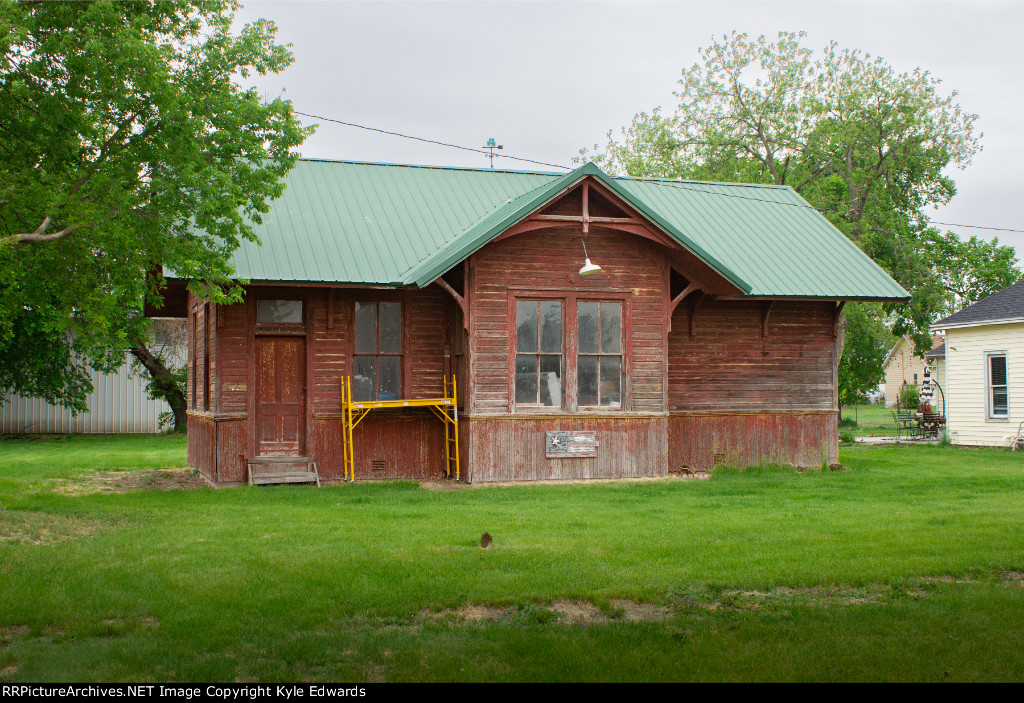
(764, 574)
(872, 420)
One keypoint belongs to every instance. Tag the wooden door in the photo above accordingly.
(281, 396)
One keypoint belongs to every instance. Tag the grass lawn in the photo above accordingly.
(906, 566)
(872, 420)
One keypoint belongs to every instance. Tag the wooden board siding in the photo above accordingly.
(729, 365)
(512, 448)
(202, 444)
(548, 261)
(409, 443)
(700, 441)
(740, 397)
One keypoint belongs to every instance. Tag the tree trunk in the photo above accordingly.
(164, 383)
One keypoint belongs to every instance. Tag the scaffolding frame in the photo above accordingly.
(445, 409)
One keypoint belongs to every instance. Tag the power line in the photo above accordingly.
(680, 186)
(432, 141)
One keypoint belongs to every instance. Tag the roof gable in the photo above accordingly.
(395, 225)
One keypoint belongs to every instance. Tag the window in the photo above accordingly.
(997, 398)
(599, 360)
(279, 312)
(206, 356)
(193, 352)
(538, 353)
(378, 352)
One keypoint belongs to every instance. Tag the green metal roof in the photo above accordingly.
(398, 225)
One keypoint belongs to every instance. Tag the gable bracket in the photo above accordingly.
(680, 298)
(766, 313)
(460, 301)
(835, 319)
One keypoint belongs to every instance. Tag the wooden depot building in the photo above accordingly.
(518, 326)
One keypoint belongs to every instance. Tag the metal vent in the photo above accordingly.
(378, 464)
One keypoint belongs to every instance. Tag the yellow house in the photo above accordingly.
(903, 367)
(984, 370)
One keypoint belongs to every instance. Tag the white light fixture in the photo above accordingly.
(588, 268)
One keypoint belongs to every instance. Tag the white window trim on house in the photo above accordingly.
(989, 412)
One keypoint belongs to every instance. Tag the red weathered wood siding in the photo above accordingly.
(546, 263)
(742, 393)
(513, 448)
(405, 443)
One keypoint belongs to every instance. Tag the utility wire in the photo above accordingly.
(430, 141)
(680, 186)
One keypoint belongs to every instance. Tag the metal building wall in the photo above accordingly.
(118, 403)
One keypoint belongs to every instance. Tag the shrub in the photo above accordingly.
(910, 396)
(847, 437)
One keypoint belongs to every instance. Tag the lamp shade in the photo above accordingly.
(589, 268)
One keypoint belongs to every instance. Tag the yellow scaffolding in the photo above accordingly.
(446, 409)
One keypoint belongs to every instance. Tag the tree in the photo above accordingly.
(864, 348)
(868, 147)
(127, 146)
(969, 270)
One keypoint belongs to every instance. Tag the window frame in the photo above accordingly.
(989, 387)
(570, 299)
(287, 328)
(402, 346)
(621, 354)
(561, 354)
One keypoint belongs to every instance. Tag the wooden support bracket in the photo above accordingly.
(766, 313)
(678, 299)
(835, 319)
(458, 299)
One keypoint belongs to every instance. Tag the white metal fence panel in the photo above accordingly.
(118, 403)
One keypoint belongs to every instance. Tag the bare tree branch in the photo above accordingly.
(41, 235)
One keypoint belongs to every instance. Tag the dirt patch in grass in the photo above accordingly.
(30, 527)
(125, 481)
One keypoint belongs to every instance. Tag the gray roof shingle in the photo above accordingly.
(1006, 305)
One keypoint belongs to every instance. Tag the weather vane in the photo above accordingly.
(492, 145)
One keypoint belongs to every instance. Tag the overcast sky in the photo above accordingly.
(548, 78)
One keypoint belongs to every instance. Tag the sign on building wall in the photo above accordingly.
(567, 444)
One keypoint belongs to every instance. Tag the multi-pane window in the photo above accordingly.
(599, 359)
(539, 353)
(997, 400)
(378, 352)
